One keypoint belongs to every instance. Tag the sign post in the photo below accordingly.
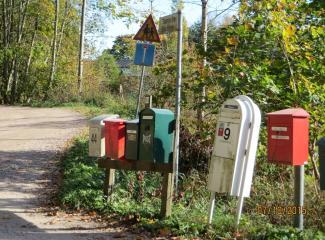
(178, 94)
(145, 52)
(168, 24)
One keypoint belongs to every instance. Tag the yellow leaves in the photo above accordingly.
(249, 26)
(232, 40)
(289, 31)
(317, 31)
(227, 50)
(239, 62)
(288, 34)
(309, 56)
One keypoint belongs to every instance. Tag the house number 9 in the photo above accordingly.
(227, 134)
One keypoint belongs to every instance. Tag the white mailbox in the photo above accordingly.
(233, 157)
(97, 135)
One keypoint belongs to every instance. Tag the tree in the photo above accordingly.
(107, 67)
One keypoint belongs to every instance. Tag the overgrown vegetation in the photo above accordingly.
(82, 189)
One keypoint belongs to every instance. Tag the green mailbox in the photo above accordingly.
(321, 153)
(131, 139)
(156, 135)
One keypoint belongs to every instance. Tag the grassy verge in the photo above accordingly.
(82, 189)
(110, 104)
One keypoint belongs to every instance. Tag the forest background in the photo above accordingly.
(272, 51)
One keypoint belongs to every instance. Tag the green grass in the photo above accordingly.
(82, 189)
(110, 104)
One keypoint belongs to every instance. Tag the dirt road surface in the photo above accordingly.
(29, 139)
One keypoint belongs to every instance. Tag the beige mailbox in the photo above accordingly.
(97, 135)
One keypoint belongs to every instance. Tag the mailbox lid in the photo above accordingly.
(291, 112)
(132, 139)
(99, 120)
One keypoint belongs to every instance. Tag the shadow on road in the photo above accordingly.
(13, 227)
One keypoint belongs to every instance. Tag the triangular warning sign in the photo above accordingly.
(148, 31)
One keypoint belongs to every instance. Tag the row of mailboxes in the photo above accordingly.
(149, 138)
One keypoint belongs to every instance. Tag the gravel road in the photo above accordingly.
(29, 139)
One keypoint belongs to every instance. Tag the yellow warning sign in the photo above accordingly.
(148, 31)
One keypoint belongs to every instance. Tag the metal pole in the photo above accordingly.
(81, 46)
(211, 209)
(299, 197)
(140, 91)
(178, 96)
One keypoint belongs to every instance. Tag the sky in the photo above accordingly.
(191, 12)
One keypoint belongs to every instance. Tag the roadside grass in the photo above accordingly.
(82, 189)
(125, 107)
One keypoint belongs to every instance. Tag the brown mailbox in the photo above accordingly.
(288, 131)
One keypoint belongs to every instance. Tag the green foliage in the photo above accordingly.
(106, 65)
(26, 43)
(82, 188)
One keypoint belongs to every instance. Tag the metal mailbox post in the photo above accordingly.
(233, 158)
(156, 135)
(97, 135)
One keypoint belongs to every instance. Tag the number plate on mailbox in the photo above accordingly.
(226, 139)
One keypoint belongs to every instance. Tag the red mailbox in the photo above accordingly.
(115, 138)
(288, 136)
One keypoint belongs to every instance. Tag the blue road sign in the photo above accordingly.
(144, 54)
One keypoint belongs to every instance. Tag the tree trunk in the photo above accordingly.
(204, 39)
(5, 46)
(54, 44)
(64, 20)
(81, 50)
(13, 76)
(29, 60)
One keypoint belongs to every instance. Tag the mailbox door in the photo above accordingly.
(163, 140)
(226, 139)
(280, 146)
(131, 140)
(115, 138)
(147, 134)
(300, 140)
(95, 142)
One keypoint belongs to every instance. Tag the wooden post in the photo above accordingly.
(167, 195)
(109, 181)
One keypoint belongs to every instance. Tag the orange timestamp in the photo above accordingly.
(280, 210)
